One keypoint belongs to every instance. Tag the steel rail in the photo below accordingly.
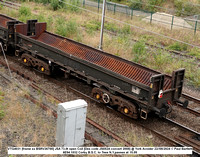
(114, 136)
(182, 126)
(191, 98)
(10, 4)
(194, 112)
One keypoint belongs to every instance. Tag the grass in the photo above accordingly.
(24, 122)
(66, 28)
(194, 52)
(139, 51)
(2, 112)
(178, 47)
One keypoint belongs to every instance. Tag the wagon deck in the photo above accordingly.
(4, 20)
(115, 64)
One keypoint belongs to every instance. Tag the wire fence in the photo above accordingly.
(168, 20)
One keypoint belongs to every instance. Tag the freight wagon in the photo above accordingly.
(133, 89)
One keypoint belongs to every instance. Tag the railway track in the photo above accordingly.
(177, 53)
(177, 141)
(54, 113)
(9, 4)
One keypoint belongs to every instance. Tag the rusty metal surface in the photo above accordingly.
(96, 57)
(3, 21)
(21, 28)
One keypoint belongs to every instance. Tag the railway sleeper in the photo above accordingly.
(37, 64)
(124, 106)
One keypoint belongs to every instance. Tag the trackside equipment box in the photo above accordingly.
(71, 123)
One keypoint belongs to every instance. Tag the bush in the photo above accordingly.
(73, 8)
(137, 4)
(183, 7)
(139, 51)
(66, 29)
(24, 11)
(2, 114)
(150, 5)
(178, 47)
(160, 58)
(195, 52)
(92, 26)
(111, 27)
(56, 4)
(126, 29)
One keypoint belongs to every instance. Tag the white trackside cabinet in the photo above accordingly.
(71, 123)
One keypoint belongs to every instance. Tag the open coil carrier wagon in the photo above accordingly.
(133, 89)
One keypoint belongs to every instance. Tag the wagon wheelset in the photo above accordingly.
(26, 61)
(128, 109)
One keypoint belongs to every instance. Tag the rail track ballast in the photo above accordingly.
(133, 89)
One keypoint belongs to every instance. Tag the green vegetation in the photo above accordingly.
(56, 4)
(139, 51)
(1, 6)
(24, 11)
(66, 28)
(195, 52)
(188, 8)
(160, 59)
(2, 113)
(178, 47)
(73, 8)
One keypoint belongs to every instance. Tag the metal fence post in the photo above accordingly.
(172, 22)
(195, 28)
(98, 4)
(151, 17)
(132, 14)
(114, 8)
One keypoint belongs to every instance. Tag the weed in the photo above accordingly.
(111, 27)
(44, 1)
(147, 37)
(92, 26)
(160, 58)
(126, 29)
(49, 22)
(41, 18)
(79, 37)
(178, 47)
(74, 8)
(56, 4)
(24, 11)
(137, 4)
(139, 51)
(2, 113)
(66, 29)
(194, 52)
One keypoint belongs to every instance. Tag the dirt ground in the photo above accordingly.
(24, 123)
